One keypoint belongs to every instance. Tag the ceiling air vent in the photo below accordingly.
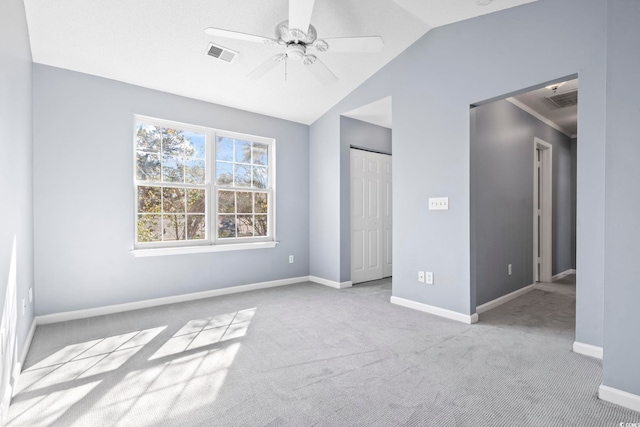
(221, 53)
(564, 99)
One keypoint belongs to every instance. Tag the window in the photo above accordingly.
(201, 186)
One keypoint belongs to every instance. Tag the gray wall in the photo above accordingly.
(502, 198)
(622, 251)
(327, 201)
(16, 182)
(365, 135)
(433, 83)
(84, 210)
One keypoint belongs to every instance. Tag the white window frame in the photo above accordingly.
(211, 243)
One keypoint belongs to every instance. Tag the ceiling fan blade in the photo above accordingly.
(351, 44)
(218, 32)
(318, 69)
(266, 66)
(300, 14)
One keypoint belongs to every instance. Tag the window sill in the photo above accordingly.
(180, 250)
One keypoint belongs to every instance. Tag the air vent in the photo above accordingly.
(221, 53)
(564, 99)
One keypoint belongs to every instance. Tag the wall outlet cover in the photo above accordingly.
(429, 278)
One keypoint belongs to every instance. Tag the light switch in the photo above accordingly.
(438, 203)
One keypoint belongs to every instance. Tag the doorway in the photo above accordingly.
(522, 155)
(366, 231)
(371, 215)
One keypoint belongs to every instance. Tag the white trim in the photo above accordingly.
(503, 299)
(331, 283)
(17, 367)
(5, 401)
(546, 210)
(180, 250)
(538, 116)
(619, 397)
(442, 312)
(118, 308)
(588, 350)
(27, 344)
(563, 274)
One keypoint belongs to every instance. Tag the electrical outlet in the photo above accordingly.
(30, 295)
(509, 270)
(429, 278)
(290, 259)
(421, 276)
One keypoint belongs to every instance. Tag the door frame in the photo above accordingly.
(543, 246)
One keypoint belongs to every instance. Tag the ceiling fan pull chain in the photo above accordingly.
(285, 68)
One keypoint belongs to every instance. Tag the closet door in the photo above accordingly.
(367, 216)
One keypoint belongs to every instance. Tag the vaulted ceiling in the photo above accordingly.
(161, 44)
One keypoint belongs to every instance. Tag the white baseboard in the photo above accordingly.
(119, 308)
(588, 350)
(5, 401)
(619, 397)
(17, 367)
(331, 283)
(563, 274)
(27, 343)
(442, 312)
(15, 371)
(503, 299)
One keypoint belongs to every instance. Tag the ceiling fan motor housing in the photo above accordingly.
(295, 35)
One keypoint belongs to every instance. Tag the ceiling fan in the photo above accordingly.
(298, 37)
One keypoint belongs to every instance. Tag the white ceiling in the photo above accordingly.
(377, 113)
(563, 119)
(160, 44)
(438, 13)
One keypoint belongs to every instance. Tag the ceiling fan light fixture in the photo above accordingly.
(296, 51)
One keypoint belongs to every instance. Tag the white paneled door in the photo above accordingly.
(371, 216)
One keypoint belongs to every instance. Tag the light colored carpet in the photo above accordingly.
(305, 355)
